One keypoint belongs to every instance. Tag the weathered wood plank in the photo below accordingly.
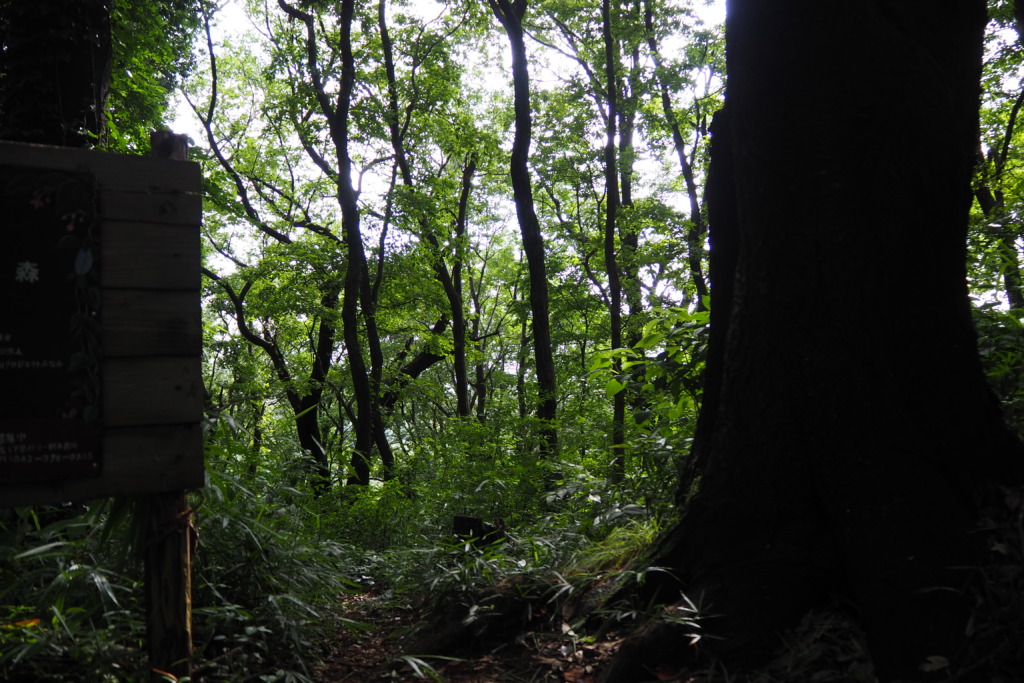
(134, 453)
(147, 391)
(151, 323)
(136, 461)
(149, 256)
(123, 172)
(168, 206)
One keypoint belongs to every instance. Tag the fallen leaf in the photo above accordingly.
(934, 663)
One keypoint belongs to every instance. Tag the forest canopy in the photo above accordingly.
(403, 170)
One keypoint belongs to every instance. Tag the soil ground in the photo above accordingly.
(825, 648)
(375, 653)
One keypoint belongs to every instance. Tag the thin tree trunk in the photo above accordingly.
(458, 312)
(697, 230)
(480, 393)
(629, 235)
(992, 201)
(524, 341)
(511, 15)
(336, 113)
(368, 305)
(305, 407)
(451, 281)
(611, 263)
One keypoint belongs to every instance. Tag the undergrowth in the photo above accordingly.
(71, 606)
(272, 560)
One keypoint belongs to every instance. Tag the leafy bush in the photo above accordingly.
(264, 581)
(66, 614)
(1001, 344)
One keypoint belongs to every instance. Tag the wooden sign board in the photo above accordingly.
(101, 391)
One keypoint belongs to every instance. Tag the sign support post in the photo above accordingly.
(168, 584)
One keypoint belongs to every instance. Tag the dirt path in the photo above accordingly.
(375, 653)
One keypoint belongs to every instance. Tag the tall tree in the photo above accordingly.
(450, 280)
(510, 15)
(612, 198)
(697, 230)
(995, 185)
(304, 397)
(841, 444)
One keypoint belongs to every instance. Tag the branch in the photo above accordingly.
(207, 122)
(220, 250)
(271, 349)
(411, 370)
(312, 58)
(1004, 152)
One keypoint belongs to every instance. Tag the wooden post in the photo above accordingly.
(168, 584)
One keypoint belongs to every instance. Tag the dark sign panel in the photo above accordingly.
(49, 325)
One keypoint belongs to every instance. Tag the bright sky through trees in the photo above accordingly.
(231, 21)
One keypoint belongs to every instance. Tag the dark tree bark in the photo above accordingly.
(458, 309)
(335, 110)
(356, 256)
(845, 427)
(510, 15)
(307, 415)
(611, 191)
(56, 71)
(480, 332)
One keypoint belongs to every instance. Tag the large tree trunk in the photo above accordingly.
(847, 421)
(56, 71)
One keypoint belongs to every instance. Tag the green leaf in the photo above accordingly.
(613, 386)
(39, 550)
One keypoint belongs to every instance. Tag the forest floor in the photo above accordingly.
(374, 652)
(825, 648)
